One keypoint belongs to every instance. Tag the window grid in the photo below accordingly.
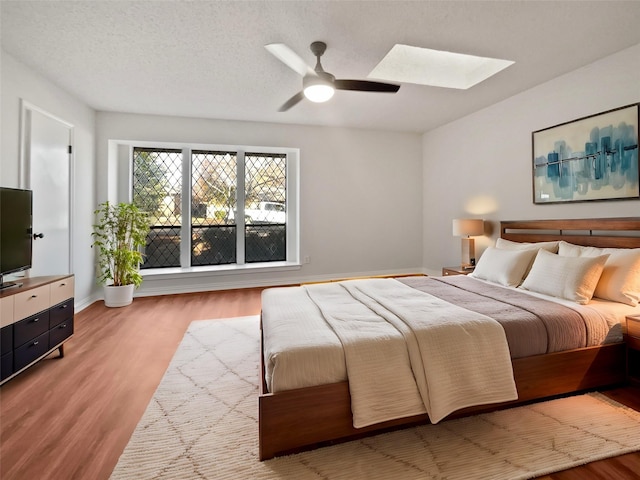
(265, 207)
(157, 189)
(213, 204)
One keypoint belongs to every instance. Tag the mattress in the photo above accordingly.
(301, 350)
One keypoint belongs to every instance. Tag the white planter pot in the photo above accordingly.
(118, 296)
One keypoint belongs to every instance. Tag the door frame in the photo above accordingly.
(24, 172)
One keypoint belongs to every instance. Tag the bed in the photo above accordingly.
(296, 418)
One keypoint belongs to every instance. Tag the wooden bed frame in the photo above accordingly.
(306, 418)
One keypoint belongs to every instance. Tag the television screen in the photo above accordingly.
(15, 230)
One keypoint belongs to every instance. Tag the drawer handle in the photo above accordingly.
(34, 296)
(63, 284)
(35, 343)
(35, 320)
(63, 326)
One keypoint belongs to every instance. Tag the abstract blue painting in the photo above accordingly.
(592, 158)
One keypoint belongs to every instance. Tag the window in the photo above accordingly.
(216, 207)
(214, 182)
(157, 189)
(265, 211)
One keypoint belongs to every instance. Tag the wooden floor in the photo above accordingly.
(71, 418)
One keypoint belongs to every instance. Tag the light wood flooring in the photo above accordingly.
(71, 418)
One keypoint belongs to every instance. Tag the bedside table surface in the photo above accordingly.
(456, 270)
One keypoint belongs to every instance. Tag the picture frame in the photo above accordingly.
(588, 159)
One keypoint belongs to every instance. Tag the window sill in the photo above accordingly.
(218, 270)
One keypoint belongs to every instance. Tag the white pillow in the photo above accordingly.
(572, 278)
(504, 267)
(567, 249)
(620, 280)
(508, 244)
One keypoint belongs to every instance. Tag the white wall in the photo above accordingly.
(20, 82)
(360, 194)
(480, 166)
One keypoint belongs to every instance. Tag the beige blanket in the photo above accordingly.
(408, 352)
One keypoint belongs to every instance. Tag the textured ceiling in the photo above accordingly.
(207, 58)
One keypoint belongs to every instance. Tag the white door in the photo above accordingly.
(47, 151)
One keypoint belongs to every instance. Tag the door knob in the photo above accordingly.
(38, 235)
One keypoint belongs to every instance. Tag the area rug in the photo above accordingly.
(202, 423)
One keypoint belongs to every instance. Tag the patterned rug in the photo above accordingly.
(202, 423)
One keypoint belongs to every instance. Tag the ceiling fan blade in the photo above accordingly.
(291, 102)
(366, 86)
(290, 58)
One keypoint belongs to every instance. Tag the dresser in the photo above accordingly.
(36, 318)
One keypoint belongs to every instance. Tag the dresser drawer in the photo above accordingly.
(6, 366)
(62, 290)
(60, 333)
(31, 302)
(29, 328)
(6, 311)
(61, 312)
(6, 339)
(633, 327)
(31, 350)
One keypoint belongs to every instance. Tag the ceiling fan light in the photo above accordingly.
(318, 88)
(319, 92)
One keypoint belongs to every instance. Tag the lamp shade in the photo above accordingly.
(468, 227)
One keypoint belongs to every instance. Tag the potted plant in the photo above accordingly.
(119, 233)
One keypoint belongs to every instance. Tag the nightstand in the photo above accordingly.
(632, 339)
(458, 270)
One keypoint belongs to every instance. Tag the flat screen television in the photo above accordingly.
(16, 210)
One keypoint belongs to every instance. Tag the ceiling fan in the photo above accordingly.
(318, 85)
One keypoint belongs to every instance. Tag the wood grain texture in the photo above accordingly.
(71, 418)
(594, 232)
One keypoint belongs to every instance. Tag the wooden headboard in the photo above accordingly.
(595, 232)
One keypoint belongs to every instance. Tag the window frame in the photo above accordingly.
(123, 152)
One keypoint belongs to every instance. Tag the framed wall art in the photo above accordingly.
(592, 158)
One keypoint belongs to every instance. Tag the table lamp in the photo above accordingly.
(466, 228)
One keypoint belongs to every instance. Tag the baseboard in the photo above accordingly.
(80, 305)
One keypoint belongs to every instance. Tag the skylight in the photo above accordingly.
(437, 68)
